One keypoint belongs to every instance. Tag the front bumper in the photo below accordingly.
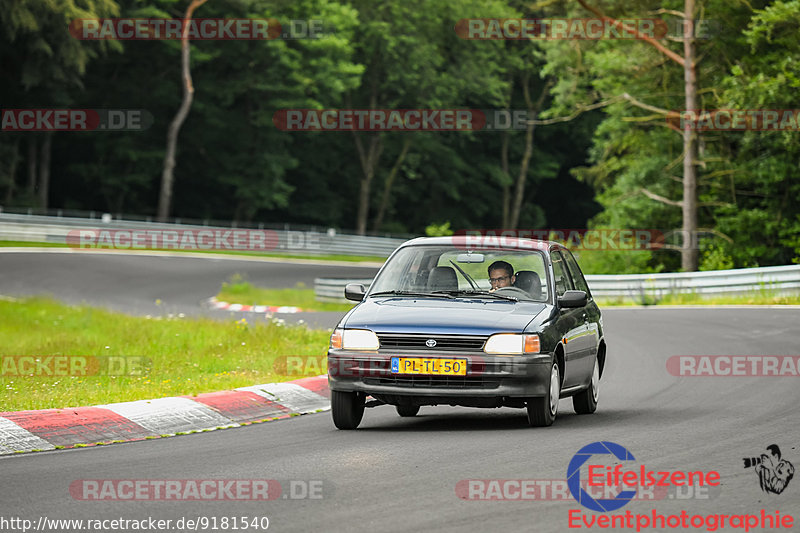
(488, 376)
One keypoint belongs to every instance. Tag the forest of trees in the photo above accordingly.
(600, 154)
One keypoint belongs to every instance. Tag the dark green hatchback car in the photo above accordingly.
(478, 323)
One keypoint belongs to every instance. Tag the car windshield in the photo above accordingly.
(447, 270)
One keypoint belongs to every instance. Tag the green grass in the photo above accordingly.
(188, 356)
(241, 292)
(762, 297)
(28, 244)
(333, 257)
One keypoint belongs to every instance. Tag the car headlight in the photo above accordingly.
(354, 339)
(512, 344)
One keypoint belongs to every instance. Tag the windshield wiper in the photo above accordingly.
(489, 294)
(466, 276)
(432, 294)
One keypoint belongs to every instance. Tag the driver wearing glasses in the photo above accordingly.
(501, 274)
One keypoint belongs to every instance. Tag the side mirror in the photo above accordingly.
(354, 291)
(572, 299)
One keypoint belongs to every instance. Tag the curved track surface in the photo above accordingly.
(401, 474)
(134, 283)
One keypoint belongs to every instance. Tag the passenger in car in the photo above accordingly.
(501, 274)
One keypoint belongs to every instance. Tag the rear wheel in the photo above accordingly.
(585, 402)
(347, 409)
(542, 411)
(407, 410)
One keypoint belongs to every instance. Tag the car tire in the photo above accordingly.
(407, 410)
(585, 402)
(347, 409)
(542, 411)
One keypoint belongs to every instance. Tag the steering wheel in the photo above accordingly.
(514, 290)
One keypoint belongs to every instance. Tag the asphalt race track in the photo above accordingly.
(134, 283)
(401, 474)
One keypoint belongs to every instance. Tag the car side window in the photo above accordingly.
(577, 275)
(562, 279)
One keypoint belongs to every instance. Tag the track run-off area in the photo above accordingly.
(447, 469)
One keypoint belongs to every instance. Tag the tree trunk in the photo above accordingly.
(44, 170)
(12, 172)
(387, 188)
(32, 160)
(167, 175)
(519, 190)
(522, 177)
(689, 251)
(369, 161)
(506, 188)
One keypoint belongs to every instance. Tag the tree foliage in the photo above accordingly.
(599, 153)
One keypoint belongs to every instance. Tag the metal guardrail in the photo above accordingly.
(74, 216)
(332, 289)
(780, 280)
(50, 229)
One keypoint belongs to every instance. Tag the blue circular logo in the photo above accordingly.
(574, 476)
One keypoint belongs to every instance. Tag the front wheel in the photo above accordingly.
(347, 409)
(542, 411)
(585, 402)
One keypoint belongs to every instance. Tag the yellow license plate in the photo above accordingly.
(437, 367)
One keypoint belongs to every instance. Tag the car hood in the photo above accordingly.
(434, 315)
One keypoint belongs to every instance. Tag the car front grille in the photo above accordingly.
(435, 382)
(465, 343)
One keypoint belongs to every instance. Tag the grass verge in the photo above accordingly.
(334, 257)
(186, 356)
(761, 297)
(242, 292)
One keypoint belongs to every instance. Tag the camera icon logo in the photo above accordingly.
(774, 473)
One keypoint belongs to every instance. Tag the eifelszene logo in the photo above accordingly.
(608, 465)
(618, 477)
(574, 476)
(773, 472)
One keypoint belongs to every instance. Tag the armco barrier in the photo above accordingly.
(332, 289)
(50, 229)
(779, 280)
